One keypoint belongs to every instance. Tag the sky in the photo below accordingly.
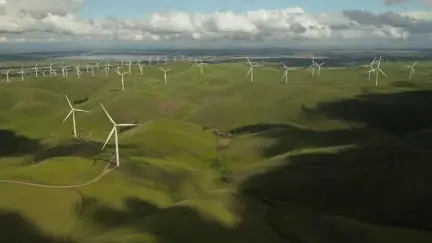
(191, 22)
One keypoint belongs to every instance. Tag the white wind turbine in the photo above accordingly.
(92, 70)
(122, 78)
(318, 65)
(50, 69)
(165, 73)
(140, 66)
(22, 72)
(78, 71)
(201, 65)
(371, 68)
(251, 69)
(72, 112)
(149, 60)
(106, 70)
(7, 76)
(36, 68)
(377, 71)
(115, 132)
(412, 71)
(312, 66)
(64, 71)
(130, 66)
(285, 75)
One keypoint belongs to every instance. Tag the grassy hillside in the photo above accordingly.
(330, 158)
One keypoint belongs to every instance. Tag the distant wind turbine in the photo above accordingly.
(165, 73)
(318, 65)
(377, 71)
(140, 66)
(201, 65)
(285, 75)
(36, 68)
(22, 72)
(78, 71)
(412, 71)
(122, 78)
(7, 76)
(72, 112)
(251, 69)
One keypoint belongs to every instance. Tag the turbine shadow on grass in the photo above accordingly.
(13, 144)
(76, 148)
(405, 84)
(396, 113)
(14, 228)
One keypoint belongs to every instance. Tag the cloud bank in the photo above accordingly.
(48, 20)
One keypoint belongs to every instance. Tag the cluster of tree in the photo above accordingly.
(80, 100)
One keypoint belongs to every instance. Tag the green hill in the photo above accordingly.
(321, 159)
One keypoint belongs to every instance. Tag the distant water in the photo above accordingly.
(292, 57)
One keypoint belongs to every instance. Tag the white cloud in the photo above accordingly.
(58, 20)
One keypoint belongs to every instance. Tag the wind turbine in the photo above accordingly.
(92, 70)
(36, 69)
(106, 70)
(319, 67)
(412, 71)
(149, 60)
(64, 71)
(285, 75)
(72, 112)
(251, 69)
(312, 66)
(140, 66)
(122, 78)
(7, 76)
(165, 73)
(130, 66)
(78, 71)
(22, 72)
(50, 69)
(201, 65)
(377, 71)
(115, 132)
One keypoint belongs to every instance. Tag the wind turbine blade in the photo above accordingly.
(250, 70)
(127, 125)
(108, 138)
(67, 116)
(68, 101)
(106, 112)
(383, 73)
(81, 110)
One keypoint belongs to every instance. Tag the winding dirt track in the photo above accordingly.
(105, 171)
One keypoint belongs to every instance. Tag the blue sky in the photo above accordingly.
(134, 8)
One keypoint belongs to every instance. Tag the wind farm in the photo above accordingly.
(224, 132)
(167, 122)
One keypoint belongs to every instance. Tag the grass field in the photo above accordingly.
(321, 159)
